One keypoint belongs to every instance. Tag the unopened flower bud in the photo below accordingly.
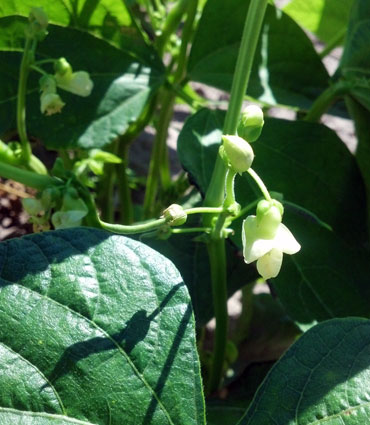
(175, 215)
(51, 103)
(269, 216)
(251, 123)
(239, 153)
(62, 67)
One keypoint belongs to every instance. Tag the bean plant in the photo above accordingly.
(104, 308)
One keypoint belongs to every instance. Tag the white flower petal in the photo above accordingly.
(269, 265)
(253, 247)
(78, 83)
(285, 241)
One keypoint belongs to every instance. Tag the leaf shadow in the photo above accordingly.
(135, 330)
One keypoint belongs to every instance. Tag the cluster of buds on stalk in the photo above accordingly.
(265, 238)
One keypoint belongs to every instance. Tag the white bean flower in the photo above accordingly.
(78, 83)
(265, 239)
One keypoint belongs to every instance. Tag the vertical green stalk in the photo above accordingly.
(252, 29)
(21, 100)
(215, 193)
(126, 206)
(217, 257)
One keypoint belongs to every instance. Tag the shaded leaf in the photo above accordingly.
(122, 88)
(321, 379)
(286, 69)
(105, 329)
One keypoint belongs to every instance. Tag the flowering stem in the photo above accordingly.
(28, 178)
(216, 190)
(204, 210)
(191, 230)
(260, 184)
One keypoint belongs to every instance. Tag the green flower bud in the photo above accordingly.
(62, 67)
(269, 217)
(175, 215)
(239, 153)
(32, 206)
(251, 123)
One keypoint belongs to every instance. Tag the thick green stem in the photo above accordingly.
(21, 101)
(252, 28)
(217, 257)
(28, 178)
(325, 100)
(215, 193)
(126, 206)
(334, 42)
(172, 22)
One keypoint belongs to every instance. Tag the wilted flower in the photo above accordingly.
(51, 103)
(265, 239)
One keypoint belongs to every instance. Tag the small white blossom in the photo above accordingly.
(78, 83)
(267, 251)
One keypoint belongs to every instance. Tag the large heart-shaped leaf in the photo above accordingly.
(286, 70)
(325, 18)
(323, 378)
(122, 88)
(97, 328)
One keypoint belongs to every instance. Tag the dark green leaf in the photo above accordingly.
(323, 378)
(361, 117)
(122, 88)
(97, 328)
(191, 258)
(326, 279)
(286, 70)
(325, 18)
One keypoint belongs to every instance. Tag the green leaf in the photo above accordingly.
(122, 87)
(191, 258)
(11, 416)
(321, 379)
(361, 117)
(286, 70)
(326, 279)
(326, 178)
(98, 328)
(107, 19)
(325, 18)
(354, 69)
